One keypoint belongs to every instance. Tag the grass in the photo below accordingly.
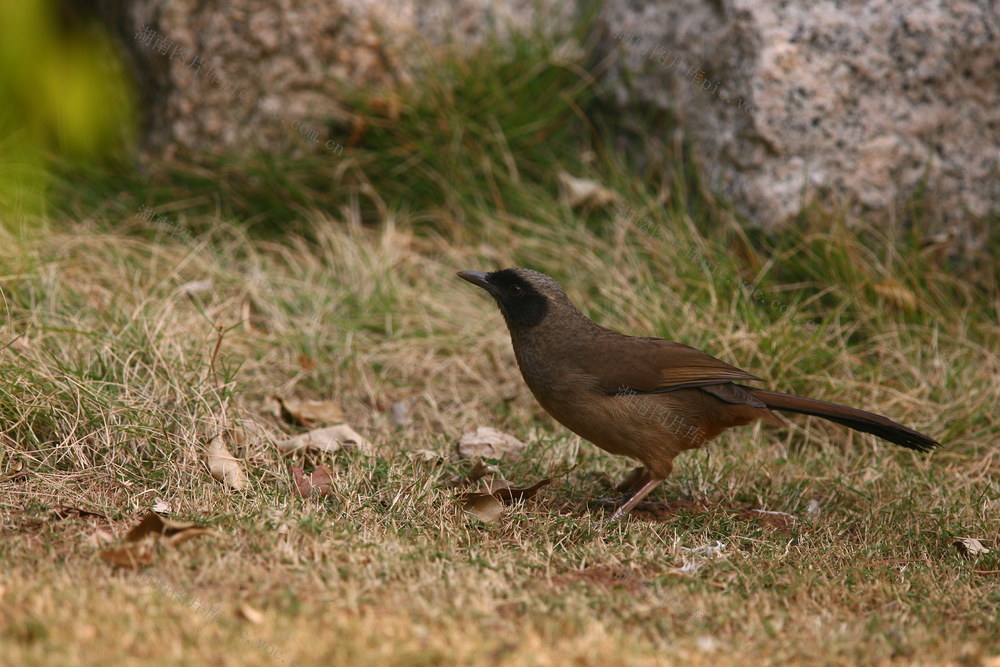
(114, 379)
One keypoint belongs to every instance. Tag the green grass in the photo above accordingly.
(114, 379)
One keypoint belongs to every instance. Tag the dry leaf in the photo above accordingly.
(489, 443)
(65, 512)
(131, 554)
(401, 413)
(309, 413)
(139, 549)
(481, 469)
(16, 471)
(99, 538)
(161, 506)
(511, 495)
(970, 547)
(318, 483)
(483, 506)
(306, 363)
(174, 540)
(195, 286)
(248, 613)
(578, 192)
(898, 295)
(497, 484)
(224, 466)
(154, 524)
(425, 456)
(329, 439)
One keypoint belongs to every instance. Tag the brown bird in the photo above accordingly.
(645, 398)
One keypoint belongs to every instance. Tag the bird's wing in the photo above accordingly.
(655, 365)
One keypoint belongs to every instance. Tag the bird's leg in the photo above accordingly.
(636, 498)
(632, 482)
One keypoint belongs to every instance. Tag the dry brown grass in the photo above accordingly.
(109, 394)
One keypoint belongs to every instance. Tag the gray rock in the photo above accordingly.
(249, 75)
(849, 102)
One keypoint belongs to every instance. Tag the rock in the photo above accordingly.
(851, 103)
(259, 75)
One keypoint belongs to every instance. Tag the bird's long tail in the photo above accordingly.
(859, 420)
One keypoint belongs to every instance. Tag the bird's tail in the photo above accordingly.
(859, 420)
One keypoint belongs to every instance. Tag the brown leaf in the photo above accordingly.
(401, 413)
(99, 538)
(578, 192)
(132, 554)
(65, 512)
(309, 413)
(329, 439)
(970, 547)
(16, 471)
(510, 495)
(161, 506)
(224, 466)
(154, 524)
(483, 506)
(306, 363)
(489, 443)
(248, 613)
(318, 483)
(194, 287)
(186, 535)
(425, 456)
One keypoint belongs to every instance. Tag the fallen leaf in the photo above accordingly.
(16, 471)
(511, 495)
(195, 286)
(131, 555)
(154, 524)
(306, 363)
(65, 512)
(309, 413)
(712, 550)
(248, 613)
(401, 413)
(318, 483)
(224, 466)
(814, 508)
(161, 506)
(497, 484)
(489, 443)
(970, 547)
(578, 192)
(329, 439)
(174, 540)
(140, 542)
(483, 506)
(99, 538)
(481, 469)
(425, 456)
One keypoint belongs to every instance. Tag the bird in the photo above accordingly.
(645, 398)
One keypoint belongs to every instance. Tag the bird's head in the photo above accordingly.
(525, 297)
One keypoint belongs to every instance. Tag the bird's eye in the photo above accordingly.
(515, 290)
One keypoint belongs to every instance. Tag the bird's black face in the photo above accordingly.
(520, 301)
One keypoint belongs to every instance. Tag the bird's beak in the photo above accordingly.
(477, 278)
